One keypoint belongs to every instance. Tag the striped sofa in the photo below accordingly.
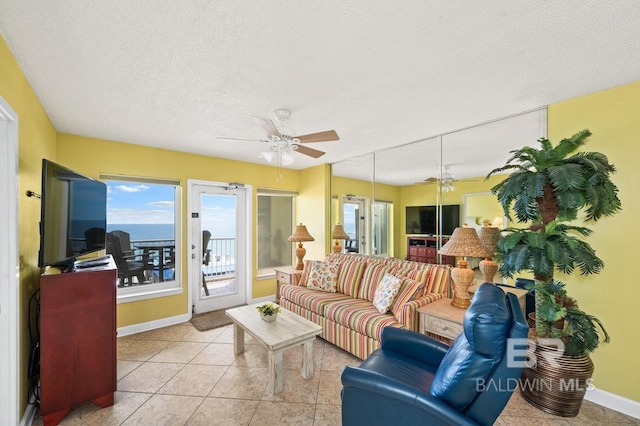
(348, 317)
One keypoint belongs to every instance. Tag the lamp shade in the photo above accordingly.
(489, 237)
(267, 155)
(464, 242)
(338, 233)
(301, 234)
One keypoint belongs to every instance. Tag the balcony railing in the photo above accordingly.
(221, 257)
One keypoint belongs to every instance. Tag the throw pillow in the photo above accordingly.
(323, 276)
(386, 293)
(304, 277)
(409, 291)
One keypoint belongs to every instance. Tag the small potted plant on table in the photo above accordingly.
(268, 311)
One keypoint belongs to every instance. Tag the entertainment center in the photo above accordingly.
(425, 250)
(78, 360)
(425, 222)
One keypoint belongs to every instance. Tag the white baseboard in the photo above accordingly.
(614, 402)
(165, 322)
(265, 299)
(152, 325)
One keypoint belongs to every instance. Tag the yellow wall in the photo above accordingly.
(37, 139)
(313, 211)
(614, 119)
(80, 154)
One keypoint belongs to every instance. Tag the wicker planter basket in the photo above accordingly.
(557, 384)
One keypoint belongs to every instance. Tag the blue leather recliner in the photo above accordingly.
(414, 379)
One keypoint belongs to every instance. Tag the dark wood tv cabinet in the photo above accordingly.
(425, 250)
(77, 340)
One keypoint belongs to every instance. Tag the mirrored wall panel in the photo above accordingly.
(420, 191)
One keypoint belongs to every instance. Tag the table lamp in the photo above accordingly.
(489, 238)
(338, 233)
(464, 242)
(299, 235)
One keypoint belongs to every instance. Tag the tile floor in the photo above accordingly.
(180, 376)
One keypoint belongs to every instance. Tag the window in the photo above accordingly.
(275, 225)
(143, 236)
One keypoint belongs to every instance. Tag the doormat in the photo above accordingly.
(210, 320)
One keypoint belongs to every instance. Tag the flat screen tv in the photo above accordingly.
(73, 216)
(424, 219)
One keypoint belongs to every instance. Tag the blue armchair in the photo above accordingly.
(414, 379)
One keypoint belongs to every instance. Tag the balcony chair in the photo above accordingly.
(206, 258)
(414, 379)
(127, 267)
(125, 243)
(351, 246)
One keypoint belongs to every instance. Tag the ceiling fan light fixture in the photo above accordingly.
(267, 155)
(287, 158)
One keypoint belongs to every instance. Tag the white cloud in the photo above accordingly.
(131, 188)
(161, 204)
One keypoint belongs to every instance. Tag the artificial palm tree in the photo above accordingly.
(548, 188)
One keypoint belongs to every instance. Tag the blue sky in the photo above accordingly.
(143, 203)
(129, 202)
(219, 215)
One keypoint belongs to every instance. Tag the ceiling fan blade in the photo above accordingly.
(267, 126)
(329, 135)
(309, 151)
(430, 180)
(239, 139)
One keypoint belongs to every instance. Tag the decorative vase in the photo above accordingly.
(557, 383)
(269, 318)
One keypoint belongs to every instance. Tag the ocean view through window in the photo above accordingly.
(143, 235)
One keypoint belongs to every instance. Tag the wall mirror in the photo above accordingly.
(352, 195)
(444, 170)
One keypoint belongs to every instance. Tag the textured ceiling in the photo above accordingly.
(179, 74)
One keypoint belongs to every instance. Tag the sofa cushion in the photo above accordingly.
(409, 290)
(406, 267)
(371, 278)
(439, 281)
(312, 300)
(386, 293)
(421, 274)
(360, 316)
(349, 277)
(323, 276)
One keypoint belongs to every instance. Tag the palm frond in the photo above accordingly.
(567, 177)
(569, 145)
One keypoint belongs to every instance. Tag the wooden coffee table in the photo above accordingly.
(287, 331)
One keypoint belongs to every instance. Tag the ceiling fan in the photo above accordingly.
(446, 182)
(282, 140)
